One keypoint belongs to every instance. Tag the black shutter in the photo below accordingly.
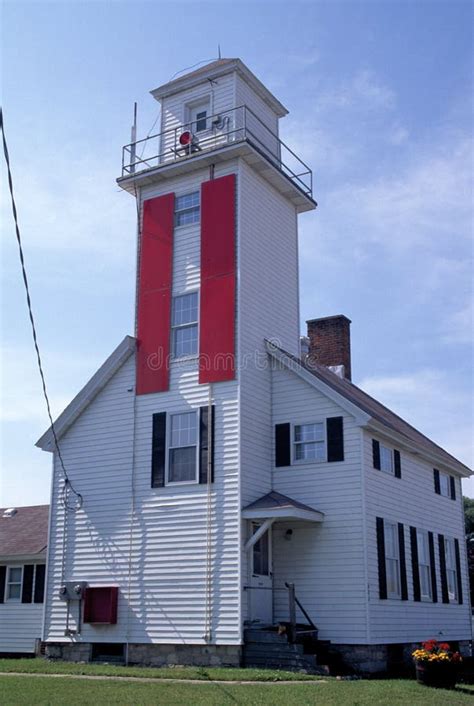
(158, 451)
(436, 481)
(376, 453)
(381, 559)
(27, 590)
(397, 464)
(452, 484)
(458, 569)
(434, 587)
(403, 563)
(282, 445)
(3, 574)
(39, 583)
(204, 445)
(414, 565)
(442, 566)
(335, 437)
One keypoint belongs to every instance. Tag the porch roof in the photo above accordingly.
(280, 507)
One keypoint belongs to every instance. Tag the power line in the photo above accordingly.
(67, 483)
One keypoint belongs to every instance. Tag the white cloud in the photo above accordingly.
(364, 90)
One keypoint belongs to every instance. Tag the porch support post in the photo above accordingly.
(259, 533)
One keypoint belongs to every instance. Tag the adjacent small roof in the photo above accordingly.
(216, 68)
(376, 411)
(278, 506)
(25, 531)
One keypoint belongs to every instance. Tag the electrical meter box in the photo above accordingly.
(72, 590)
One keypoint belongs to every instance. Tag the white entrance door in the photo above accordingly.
(261, 594)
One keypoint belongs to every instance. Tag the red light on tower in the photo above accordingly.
(186, 138)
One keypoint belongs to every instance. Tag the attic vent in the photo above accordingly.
(10, 511)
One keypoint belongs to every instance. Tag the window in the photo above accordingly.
(182, 458)
(386, 459)
(187, 209)
(451, 572)
(424, 565)
(185, 325)
(309, 442)
(14, 578)
(445, 485)
(392, 560)
(198, 116)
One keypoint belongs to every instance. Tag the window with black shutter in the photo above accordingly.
(206, 458)
(158, 451)
(39, 583)
(335, 438)
(283, 444)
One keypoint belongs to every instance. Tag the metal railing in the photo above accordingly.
(223, 129)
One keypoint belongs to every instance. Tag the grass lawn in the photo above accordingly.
(63, 691)
(30, 690)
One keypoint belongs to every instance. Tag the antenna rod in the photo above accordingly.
(133, 140)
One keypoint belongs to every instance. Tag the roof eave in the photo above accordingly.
(361, 418)
(438, 460)
(189, 81)
(283, 513)
(88, 393)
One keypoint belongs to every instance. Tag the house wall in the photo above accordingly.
(325, 561)
(412, 500)
(169, 535)
(20, 623)
(259, 112)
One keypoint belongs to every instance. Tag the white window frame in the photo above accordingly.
(187, 209)
(392, 594)
(391, 470)
(187, 356)
(424, 566)
(446, 479)
(451, 569)
(9, 583)
(195, 480)
(191, 108)
(308, 461)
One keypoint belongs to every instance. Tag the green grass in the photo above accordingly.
(43, 666)
(50, 691)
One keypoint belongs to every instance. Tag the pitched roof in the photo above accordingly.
(376, 410)
(277, 506)
(97, 382)
(273, 499)
(213, 70)
(25, 533)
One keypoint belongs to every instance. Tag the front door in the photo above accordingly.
(261, 594)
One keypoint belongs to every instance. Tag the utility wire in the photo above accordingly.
(67, 483)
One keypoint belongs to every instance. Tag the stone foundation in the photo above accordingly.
(155, 655)
(386, 659)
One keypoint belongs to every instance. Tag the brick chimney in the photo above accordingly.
(330, 342)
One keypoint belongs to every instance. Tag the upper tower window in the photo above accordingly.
(187, 209)
(198, 115)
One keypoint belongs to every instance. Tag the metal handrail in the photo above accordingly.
(226, 128)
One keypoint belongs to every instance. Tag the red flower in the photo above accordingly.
(429, 645)
(444, 646)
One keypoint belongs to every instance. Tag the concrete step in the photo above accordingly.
(271, 648)
(255, 635)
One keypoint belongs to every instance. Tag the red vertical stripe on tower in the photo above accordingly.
(218, 281)
(154, 295)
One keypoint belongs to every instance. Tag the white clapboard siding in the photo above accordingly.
(221, 97)
(412, 501)
(326, 560)
(268, 306)
(168, 548)
(20, 626)
(265, 135)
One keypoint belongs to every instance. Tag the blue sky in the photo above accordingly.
(380, 105)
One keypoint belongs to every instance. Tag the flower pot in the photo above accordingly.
(442, 675)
